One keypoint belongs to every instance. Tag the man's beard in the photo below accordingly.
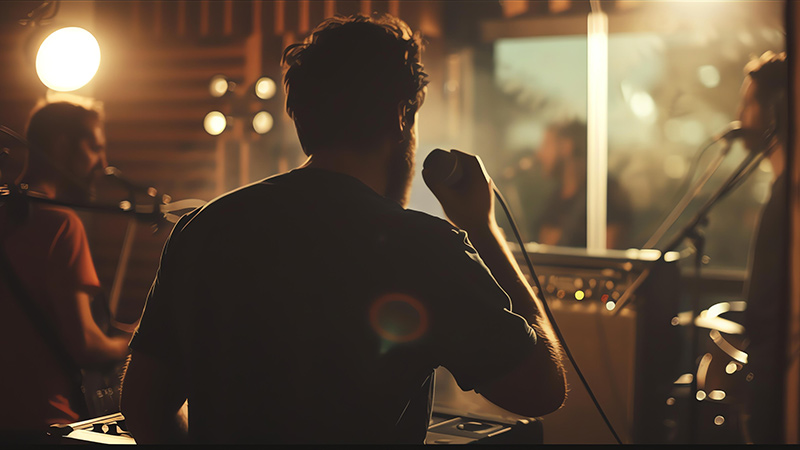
(401, 172)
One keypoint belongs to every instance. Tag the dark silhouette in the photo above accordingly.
(312, 307)
(764, 116)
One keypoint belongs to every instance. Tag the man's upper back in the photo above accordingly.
(308, 294)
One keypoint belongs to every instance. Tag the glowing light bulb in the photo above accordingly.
(265, 88)
(68, 59)
(218, 86)
(262, 122)
(215, 123)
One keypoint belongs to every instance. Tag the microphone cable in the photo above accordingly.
(549, 314)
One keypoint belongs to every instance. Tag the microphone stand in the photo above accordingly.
(125, 253)
(734, 180)
(694, 233)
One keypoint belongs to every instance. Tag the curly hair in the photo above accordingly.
(344, 82)
(770, 73)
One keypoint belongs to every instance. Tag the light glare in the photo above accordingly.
(717, 395)
(262, 122)
(709, 76)
(218, 86)
(643, 105)
(215, 123)
(265, 88)
(68, 59)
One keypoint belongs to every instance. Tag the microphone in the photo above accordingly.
(733, 131)
(116, 175)
(441, 167)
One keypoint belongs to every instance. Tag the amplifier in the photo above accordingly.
(625, 345)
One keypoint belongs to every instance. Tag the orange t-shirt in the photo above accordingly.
(49, 252)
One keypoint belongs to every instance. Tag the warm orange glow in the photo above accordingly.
(265, 88)
(262, 122)
(218, 86)
(68, 59)
(215, 123)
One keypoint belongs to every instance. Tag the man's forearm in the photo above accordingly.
(152, 429)
(154, 400)
(494, 251)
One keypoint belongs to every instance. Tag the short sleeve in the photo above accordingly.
(70, 263)
(157, 333)
(476, 336)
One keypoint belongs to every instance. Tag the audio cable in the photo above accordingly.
(549, 314)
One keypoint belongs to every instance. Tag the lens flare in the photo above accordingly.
(398, 317)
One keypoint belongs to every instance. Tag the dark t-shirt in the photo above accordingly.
(307, 308)
(767, 293)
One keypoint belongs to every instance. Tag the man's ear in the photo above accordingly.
(401, 117)
(405, 121)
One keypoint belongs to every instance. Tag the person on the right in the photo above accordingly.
(764, 115)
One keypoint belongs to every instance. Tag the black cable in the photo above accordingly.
(549, 314)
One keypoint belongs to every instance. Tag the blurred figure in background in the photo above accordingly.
(48, 279)
(561, 218)
(764, 115)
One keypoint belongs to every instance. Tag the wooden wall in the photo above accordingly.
(157, 60)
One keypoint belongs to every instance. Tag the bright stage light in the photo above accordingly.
(68, 59)
(262, 122)
(220, 85)
(265, 88)
(215, 123)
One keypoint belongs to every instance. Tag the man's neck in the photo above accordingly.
(370, 167)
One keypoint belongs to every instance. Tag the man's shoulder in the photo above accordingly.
(424, 221)
(54, 212)
(228, 207)
(57, 218)
(423, 229)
